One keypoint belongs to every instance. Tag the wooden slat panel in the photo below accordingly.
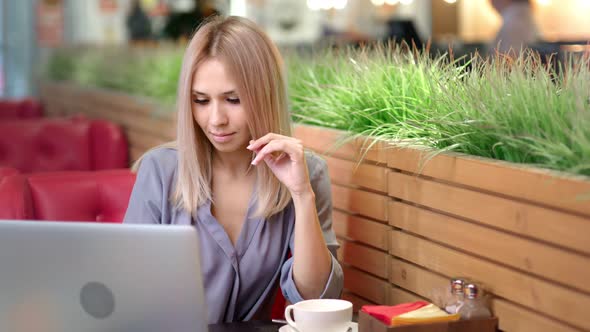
(52, 105)
(520, 253)
(364, 175)
(135, 153)
(362, 202)
(149, 124)
(364, 258)
(518, 319)
(329, 142)
(512, 318)
(128, 111)
(104, 98)
(399, 295)
(549, 225)
(565, 192)
(357, 302)
(143, 140)
(361, 229)
(365, 285)
(548, 298)
(422, 282)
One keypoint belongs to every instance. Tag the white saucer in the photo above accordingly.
(287, 328)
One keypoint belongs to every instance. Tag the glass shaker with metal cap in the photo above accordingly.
(474, 306)
(456, 296)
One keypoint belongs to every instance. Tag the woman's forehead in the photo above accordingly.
(212, 76)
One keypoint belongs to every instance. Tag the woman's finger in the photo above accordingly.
(287, 147)
(262, 141)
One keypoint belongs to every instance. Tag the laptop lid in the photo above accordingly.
(64, 276)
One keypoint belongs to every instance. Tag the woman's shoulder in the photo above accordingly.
(163, 154)
(164, 159)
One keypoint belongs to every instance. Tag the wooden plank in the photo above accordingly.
(135, 153)
(148, 124)
(524, 219)
(362, 202)
(530, 256)
(364, 258)
(363, 175)
(143, 140)
(332, 143)
(512, 318)
(357, 301)
(399, 295)
(563, 191)
(54, 106)
(518, 319)
(540, 295)
(122, 109)
(141, 106)
(365, 285)
(425, 283)
(107, 98)
(361, 230)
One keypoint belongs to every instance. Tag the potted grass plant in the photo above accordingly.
(439, 167)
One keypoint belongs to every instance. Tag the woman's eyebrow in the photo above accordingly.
(231, 92)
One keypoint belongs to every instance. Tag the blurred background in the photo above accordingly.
(31, 30)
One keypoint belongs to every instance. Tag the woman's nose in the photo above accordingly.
(218, 116)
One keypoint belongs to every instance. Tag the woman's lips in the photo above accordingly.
(222, 137)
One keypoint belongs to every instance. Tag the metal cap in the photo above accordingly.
(471, 291)
(457, 285)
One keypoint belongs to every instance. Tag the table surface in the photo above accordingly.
(252, 326)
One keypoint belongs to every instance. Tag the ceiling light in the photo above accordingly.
(340, 4)
(314, 4)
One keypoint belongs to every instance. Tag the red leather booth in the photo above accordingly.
(44, 144)
(20, 109)
(100, 196)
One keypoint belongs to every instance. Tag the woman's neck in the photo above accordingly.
(235, 164)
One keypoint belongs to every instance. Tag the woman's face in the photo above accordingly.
(217, 108)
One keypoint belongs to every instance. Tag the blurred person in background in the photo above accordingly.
(138, 24)
(182, 23)
(518, 29)
(234, 172)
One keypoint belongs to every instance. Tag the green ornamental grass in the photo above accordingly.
(517, 110)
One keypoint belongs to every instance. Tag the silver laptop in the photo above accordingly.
(89, 277)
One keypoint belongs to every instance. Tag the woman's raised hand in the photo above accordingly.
(286, 158)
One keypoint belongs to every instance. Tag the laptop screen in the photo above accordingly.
(70, 276)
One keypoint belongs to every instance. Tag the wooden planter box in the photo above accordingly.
(405, 229)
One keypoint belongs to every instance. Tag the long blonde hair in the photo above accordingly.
(257, 66)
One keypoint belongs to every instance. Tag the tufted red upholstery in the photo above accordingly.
(36, 145)
(14, 191)
(20, 109)
(7, 171)
(100, 196)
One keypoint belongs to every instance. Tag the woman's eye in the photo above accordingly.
(200, 101)
(233, 100)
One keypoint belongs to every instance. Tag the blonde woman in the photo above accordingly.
(235, 173)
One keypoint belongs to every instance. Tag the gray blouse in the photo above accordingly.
(240, 282)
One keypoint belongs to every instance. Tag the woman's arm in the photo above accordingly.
(313, 267)
(312, 262)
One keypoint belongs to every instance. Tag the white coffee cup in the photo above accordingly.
(323, 315)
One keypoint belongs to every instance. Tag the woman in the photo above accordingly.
(235, 173)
